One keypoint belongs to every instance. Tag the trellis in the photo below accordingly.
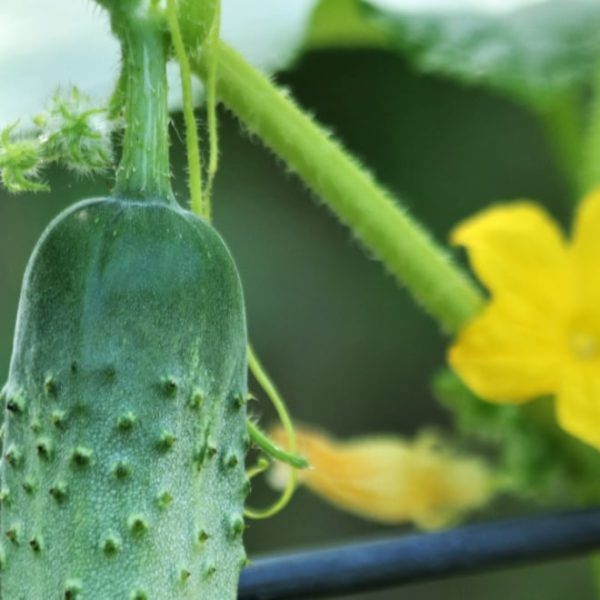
(387, 562)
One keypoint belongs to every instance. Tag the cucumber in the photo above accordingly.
(124, 432)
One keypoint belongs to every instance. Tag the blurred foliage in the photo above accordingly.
(347, 347)
(339, 23)
(534, 54)
(536, 458)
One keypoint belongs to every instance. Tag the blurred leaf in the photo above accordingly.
(44, 45)
(340, 23)
(532, 53)
(538, 458)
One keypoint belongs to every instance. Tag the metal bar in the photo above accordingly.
(381, 563)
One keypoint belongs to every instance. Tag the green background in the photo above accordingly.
(342, 339)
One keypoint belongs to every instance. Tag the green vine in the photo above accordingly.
(192, 138)
(270, 447)
(374, 216)
(266, 444)
(212, 49)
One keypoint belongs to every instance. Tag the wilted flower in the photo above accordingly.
(392, 480)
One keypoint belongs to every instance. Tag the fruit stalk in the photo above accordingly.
(144, 171)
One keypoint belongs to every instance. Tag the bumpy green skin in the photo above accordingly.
(122, 471)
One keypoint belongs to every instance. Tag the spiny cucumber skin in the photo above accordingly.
(122, 470)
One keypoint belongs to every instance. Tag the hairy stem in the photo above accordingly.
(211, 101)
(377, 219)
(144, 171)
(192, 139)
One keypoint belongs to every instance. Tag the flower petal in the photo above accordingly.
(392, 480)
(586, 232)
(578, 403)
(586, 253)
(506, 357)
(520, 255)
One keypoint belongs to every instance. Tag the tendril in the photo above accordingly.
(276, 399)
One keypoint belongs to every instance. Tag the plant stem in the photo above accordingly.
(212, 48)
(383, 226)
(144, 171)
(192, 138)
(269, 447)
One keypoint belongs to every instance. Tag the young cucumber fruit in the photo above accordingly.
(124, 434)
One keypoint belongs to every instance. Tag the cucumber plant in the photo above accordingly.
(124, 431)
(125, 427)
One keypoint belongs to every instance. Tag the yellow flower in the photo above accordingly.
(392, 480)
(540, 333)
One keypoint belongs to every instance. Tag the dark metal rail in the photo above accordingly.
(377, 564)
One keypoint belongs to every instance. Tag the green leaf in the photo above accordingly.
(533, 453)
(342, 23)
(533, 53)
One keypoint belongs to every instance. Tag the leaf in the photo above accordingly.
(537, 457)
(63, 43)
(342, 23)
(534, 52)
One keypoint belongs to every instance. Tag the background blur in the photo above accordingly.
(345, 344)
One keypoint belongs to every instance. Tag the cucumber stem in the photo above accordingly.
(144, 171)
(376, 218)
